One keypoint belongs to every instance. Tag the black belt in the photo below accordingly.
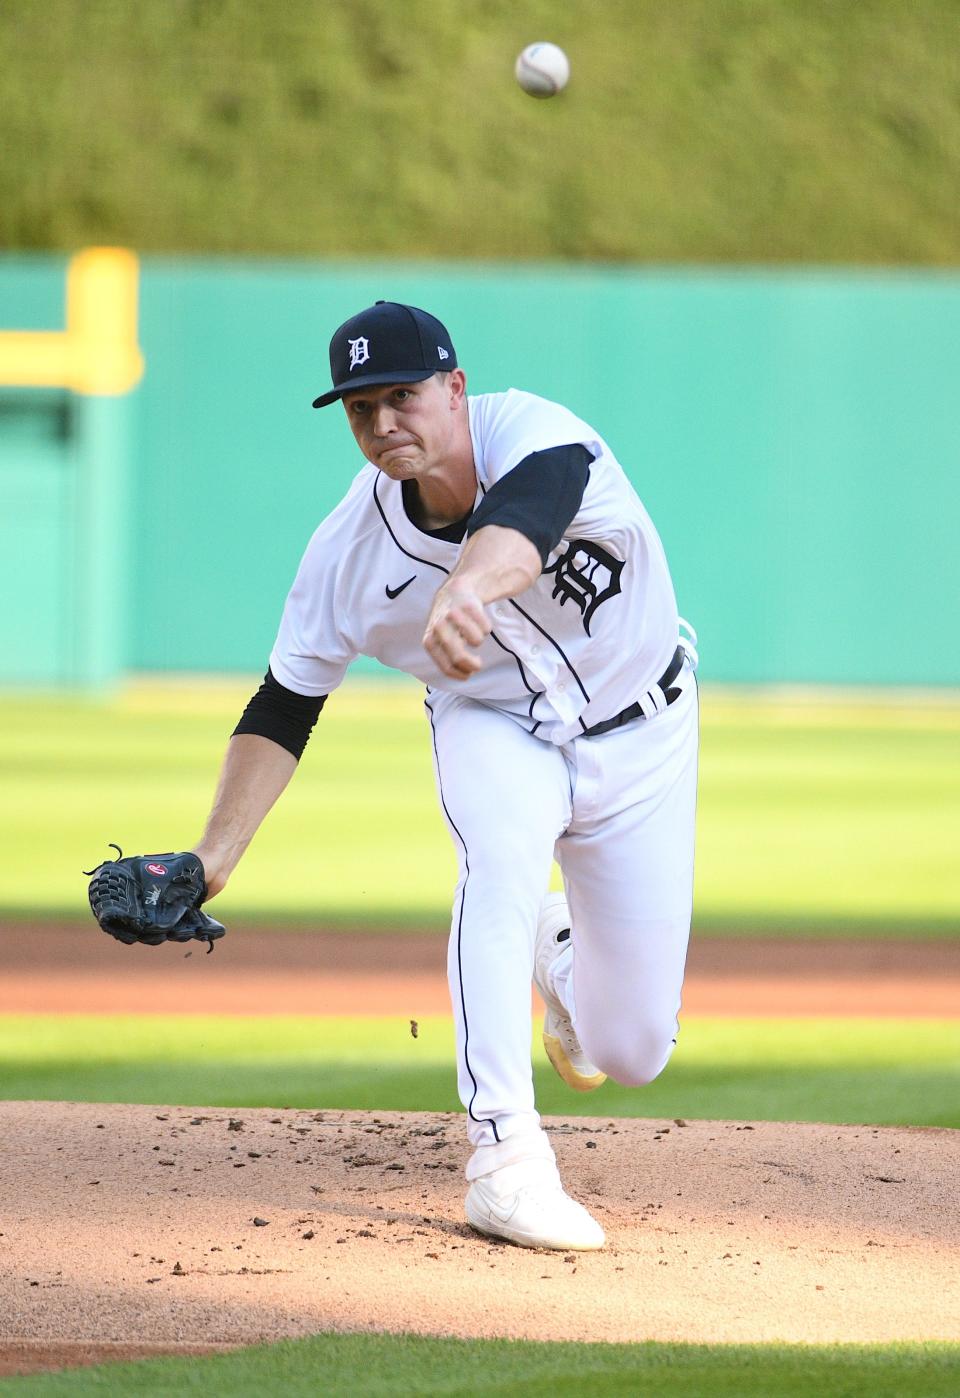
(636, 710)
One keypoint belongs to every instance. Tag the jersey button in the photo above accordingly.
(561, 687)
(534, 650)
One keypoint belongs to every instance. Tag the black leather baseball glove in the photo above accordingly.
(152, 898)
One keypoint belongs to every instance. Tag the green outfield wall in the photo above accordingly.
(795, 435)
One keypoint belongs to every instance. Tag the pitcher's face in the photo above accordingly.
(408, 430)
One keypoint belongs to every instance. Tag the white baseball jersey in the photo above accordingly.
(596, 630)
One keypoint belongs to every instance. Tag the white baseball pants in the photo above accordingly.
(618, 813)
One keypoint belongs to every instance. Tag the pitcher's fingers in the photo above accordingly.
(471, 628)
(462, 670)
(449, 652)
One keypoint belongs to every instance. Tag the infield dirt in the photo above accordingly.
(128, 1231)
(132, 1230)
(47, 968)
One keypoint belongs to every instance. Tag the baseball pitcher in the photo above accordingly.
(493, 547)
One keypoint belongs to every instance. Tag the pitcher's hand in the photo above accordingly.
(457, 627)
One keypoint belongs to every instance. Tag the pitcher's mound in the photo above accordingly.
(135, 1229)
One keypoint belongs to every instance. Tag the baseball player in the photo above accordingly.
(492, 547)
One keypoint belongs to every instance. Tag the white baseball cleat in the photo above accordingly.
(559, 1036)
(525, 1203)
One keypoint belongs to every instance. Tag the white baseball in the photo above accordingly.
(543, 70)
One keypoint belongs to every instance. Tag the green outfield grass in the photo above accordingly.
(387, 1365)
(893, 1072)
(826, 814)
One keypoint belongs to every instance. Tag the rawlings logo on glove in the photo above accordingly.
(152, 898)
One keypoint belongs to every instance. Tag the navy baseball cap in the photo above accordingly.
(387, 343)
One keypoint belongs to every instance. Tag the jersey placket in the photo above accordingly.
(540, 661)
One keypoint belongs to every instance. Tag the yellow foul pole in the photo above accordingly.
(97, 353)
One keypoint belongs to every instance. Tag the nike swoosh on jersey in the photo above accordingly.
(396, 591)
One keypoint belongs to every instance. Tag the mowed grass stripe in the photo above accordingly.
(378, 1366)
(892, 1072)
(825, 814)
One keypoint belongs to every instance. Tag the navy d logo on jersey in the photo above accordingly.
(359, 352)
(586, 574)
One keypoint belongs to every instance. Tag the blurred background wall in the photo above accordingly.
(730, 245)
(795, 436)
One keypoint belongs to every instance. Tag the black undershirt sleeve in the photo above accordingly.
(539, 497)
(280, 714)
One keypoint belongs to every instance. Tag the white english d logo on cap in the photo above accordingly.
(359, 351)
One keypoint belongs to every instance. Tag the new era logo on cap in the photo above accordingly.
(387, 343)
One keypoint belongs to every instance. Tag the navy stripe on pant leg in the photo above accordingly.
(463, 895)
